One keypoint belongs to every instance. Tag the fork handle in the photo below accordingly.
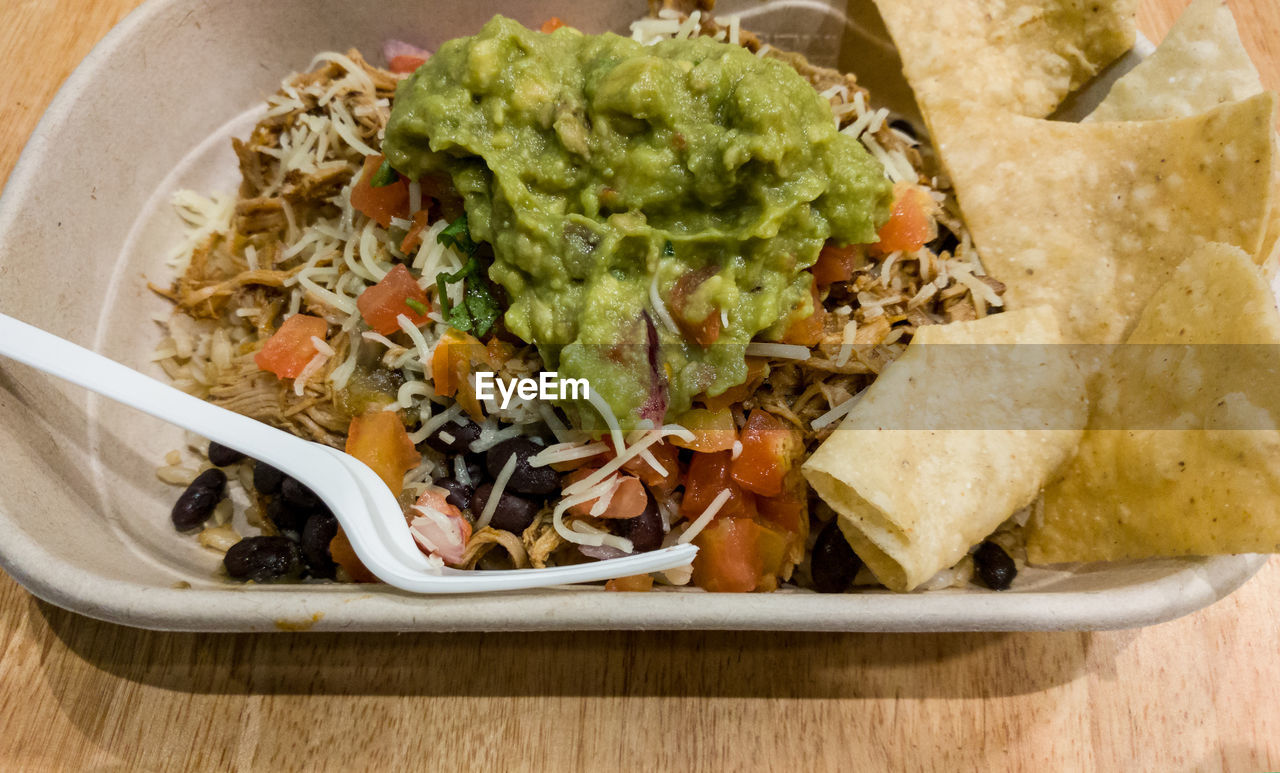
(59, 357)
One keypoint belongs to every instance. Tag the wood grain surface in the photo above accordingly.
(1199, 693)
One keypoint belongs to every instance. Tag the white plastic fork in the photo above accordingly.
(369, 513)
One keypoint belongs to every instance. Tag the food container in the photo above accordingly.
(85, 220)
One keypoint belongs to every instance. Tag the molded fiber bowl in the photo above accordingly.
(85, 220)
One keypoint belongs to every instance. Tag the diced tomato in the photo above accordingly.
(788, 512)
(739, 555)
(836, 264)
(667, 457)
(413, 239)
(807, 331)
(405, 63)
(756, 370)
(378, 439)
(707, 476)
(728, 559)
(552, 24)
(712, 430)
(628, 501)
(345, 556)
(290, 348)
(451, 361)
(705, 331)
(448, 542)
(774, 549)
(909, 225)
(770, 447)
(397, 293)
(636, 583)
(382, 203)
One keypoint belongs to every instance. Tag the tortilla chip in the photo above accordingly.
(1023, 57)
(1199, 65)
(1207, 359)
(1091, 218)
(912, 502)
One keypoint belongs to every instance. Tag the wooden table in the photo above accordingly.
(1199, 693)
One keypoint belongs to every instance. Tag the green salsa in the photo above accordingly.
(603, 171)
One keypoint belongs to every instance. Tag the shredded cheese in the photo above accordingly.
(660, 308)
(415, 196)
(491, 436)
(688, 25)
(847, 338)
(886, 268)
(588, 536)
(340, 375)
(653, 462)
(419, 343)
(439, 420)
(310, 369)
(891, 169)
(499, 486)
(627, 455)
(838, 412)
(602, 407)
(460, 471)
(602, 504)
(701, 521)
(321, 346)
(566, 452)
(778, 351)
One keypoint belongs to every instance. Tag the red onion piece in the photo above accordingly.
(602, 552)
(393, 48)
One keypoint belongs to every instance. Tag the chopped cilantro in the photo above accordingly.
(477, 310)
(416, 305)
(458, 236)
(384, 176)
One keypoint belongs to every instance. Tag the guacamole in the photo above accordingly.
(650, 208)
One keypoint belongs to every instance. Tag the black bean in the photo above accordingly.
(221, 456)
(460, 437)
(645, 530)
(285, 516)
(513, 513)
(195, 505)
(263, 559)
(833, 564)
(298, 495)
(994, 566)
(525, 479)
(266, 479)
(316, 536)
(459, 494)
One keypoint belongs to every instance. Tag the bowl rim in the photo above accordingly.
(330, 607)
